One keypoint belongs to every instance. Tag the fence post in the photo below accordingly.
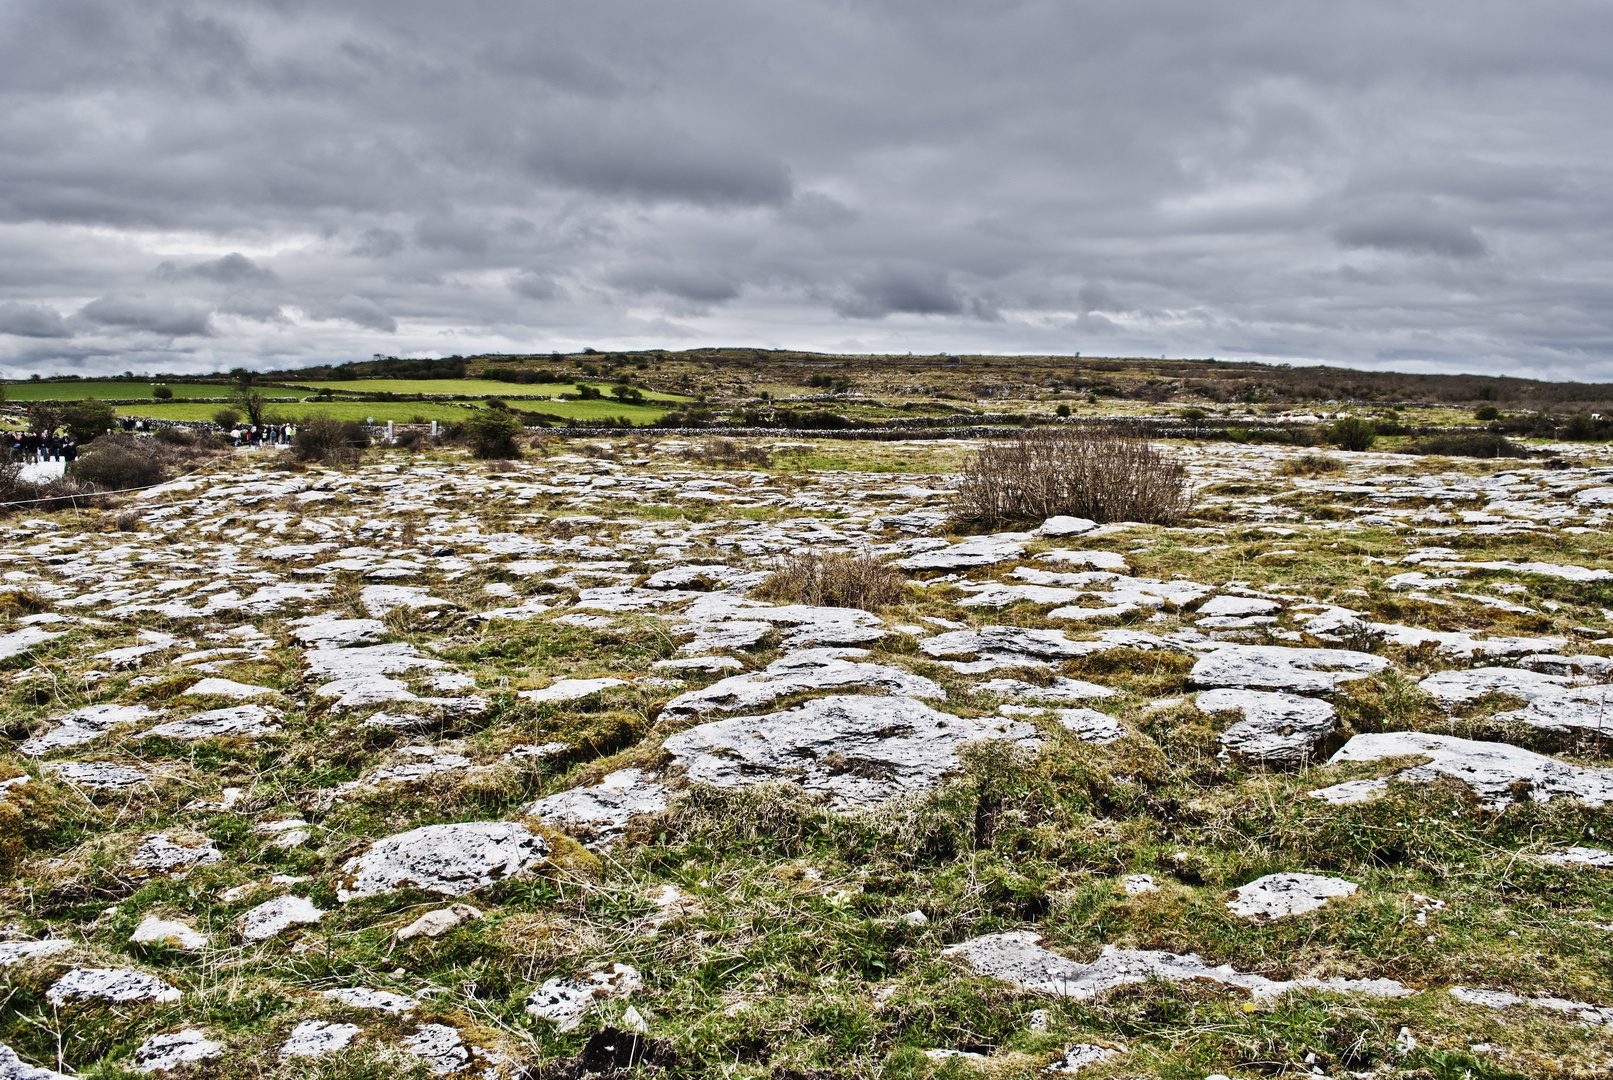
(389, 439)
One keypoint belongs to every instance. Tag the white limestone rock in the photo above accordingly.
(699, 663)
(380, 599)
(1016, 958)
(1276, 729)
(98, 775)
(1064, 525)
(1276, 896)
(1090, 725)
(1080, 1056)
(1456, 687)
(1061, 689)
(326, 632)
(1277, 667)
(570, 689)
(1350, 792)
(1238, 606)
(439, 922)
(1139, 884)
(564, 1002)
(394, 658)
(860, 751)
(1574, 719)
(160, 855)
(84, 725)
(316, 1038)
(226, 688)
(21, 641)
(170, 932)
(14, 1068)
(439, 1046)
(599, 813)
(170, 1050)
(1501, 999)
(970, 553)
(362, 997)
(1595, 858)
(239, 721)
(13, 951)
(274, 916)
(1098, 560)
(802, 670)
(110, 984)
(452, 859)
(1490, 769)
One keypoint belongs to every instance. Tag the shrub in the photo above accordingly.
(833, 579)
(162, 393)
(412, 439)
(1487, 414)
(1062, 410)
(88, 418)
(1104, 474)
(175, 436)
(1468, 445)
(322, 438)
(728, 452)
(1354, 433)
(1311, 465)
(493, 433)
(226, 417)
(117, 463)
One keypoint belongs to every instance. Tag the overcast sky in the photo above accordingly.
(192, 185)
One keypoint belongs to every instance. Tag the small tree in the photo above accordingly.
(493, 432)
(624, 393)
(1062, 410)
(162, 393)
(250, 400)
(1487, 413)
(44, 418)
(1354, 433)
(88, 418)
(226, 417)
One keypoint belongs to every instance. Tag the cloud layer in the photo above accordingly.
(195, 185)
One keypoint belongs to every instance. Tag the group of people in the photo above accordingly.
(32, 446)
(253, 435)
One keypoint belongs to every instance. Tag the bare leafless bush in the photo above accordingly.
(128, 521)
(833, 579)
(323, 438)
(717, 451)
(1104, 474)
(1311, 465)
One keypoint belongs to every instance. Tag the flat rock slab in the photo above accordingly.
(1276, 667)
(13, 1067)
(1279, 729)
(451, 859)
(564, 1002)
(20, 641)
(973, 552)
(439, 1046)
(362, 997)
(1500, 999)
(570, 689)
(1276, 896)
(1017, 958)
(84, 725)
(170, 1050)
(273, 916)
(380, 599)
(172, 933)
(1100, 560)
(1090, 725)
(13, 951)
(1239, 605)
(599, 814)
(860, 751)
(439, 922)
(1577, 718)
(1060, 689)
(315, 1038)
(159, 854)
(110, 984)
(1456, 687)
(390, 659)
(1350, 792)
(329, 633)
(240, 721)
(98, 775)
(803, 670)
(1490, 769)
(1065, 525)
(1581, 856)
(226, 688)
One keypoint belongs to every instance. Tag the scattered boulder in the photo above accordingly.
(172, 1049)
(316, 1038)
(452, 859)
(1277, 667)
(598, 814)
(1276, 729)
(110, 984)
(439, 922)
(1495, 771)
(1278, 895)
(859, 751)
(273, 916)
(1016, 958)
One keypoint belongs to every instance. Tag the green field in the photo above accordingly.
(470, 387)
(104, 388)
(401, 411)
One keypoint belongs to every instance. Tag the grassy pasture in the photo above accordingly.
(471, 387)
(107, 388)
(401, 411)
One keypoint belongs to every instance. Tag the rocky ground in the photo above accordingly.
(429, 767)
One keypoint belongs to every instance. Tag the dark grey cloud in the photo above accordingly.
(1374, 183)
